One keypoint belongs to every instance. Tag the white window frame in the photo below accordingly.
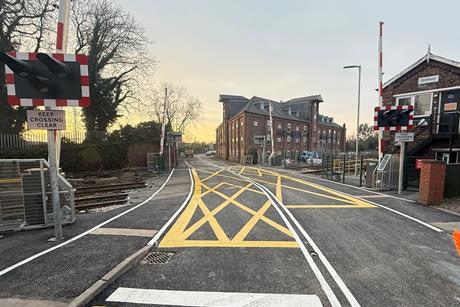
(256, 123)
(412, 101)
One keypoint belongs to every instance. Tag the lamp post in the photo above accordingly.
(357, 117)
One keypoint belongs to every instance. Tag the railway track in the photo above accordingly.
(103, 195)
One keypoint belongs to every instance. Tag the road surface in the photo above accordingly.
(266, 237)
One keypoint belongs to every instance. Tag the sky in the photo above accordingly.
(286, 49)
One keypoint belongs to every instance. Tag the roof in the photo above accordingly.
(240, 104)
(427, 57)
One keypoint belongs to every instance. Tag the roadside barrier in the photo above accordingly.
(25, 195)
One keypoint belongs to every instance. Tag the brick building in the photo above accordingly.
(297, 124)
(432, 86)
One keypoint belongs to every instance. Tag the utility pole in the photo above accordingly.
(163, 125)
(272, 154)
(357, 116)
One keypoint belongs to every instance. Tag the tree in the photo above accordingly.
(368, 139)
(181, 107)
(23, 24)
(118, 58)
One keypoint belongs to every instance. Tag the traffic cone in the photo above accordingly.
(456, 236)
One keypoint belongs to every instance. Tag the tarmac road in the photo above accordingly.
(264, 237)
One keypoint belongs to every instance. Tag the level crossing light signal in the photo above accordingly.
(41, 79)
(394, 118)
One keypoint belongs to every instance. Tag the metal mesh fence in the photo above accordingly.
(25, 195)
(29, 139)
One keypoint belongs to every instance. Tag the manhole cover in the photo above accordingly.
(157, 257)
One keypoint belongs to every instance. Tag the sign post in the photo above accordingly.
(52, 121)
(403, 138)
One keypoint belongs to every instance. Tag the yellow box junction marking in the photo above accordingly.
(178, 235)
(352, 202)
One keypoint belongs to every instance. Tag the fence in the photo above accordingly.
(29, 139)
(342, 167)
(25, 195)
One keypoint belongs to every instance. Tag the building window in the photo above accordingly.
(421, 103)
(256, 123)
(297, 140)
(296, 128)
(279, 140)
(289, 126)
(279, 126)
(304, 128)
(304, 139)
(269, 123)
(242, 123)
(241, 139)
(268, 137)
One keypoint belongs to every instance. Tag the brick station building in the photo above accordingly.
(432, 86)
(298, 127)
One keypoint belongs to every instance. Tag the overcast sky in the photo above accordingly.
(286, 49)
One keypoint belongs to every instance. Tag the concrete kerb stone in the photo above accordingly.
(110, 277)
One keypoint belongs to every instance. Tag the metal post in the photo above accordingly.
(401, 166)
(43, 184)
(357, 121)
(344, 161)
(169, 154)
(163, 125)
(380, 84)
(54, 186)
(361, 172)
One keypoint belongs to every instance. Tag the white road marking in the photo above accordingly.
(203, 298)
(124, 232)
(173, 217)
(324, 285)
(383, 206)
(46, 251)
(343, 287)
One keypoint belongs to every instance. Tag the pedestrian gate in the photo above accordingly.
(25, 195)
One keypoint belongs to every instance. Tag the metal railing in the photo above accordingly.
(25, 195)
(29, 139)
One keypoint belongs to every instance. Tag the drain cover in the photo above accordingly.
(157, 257)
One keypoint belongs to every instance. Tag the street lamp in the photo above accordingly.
(357, 117)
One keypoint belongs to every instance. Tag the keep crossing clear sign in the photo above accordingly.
(46, 119)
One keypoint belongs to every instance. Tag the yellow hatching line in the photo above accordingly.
(328, 206)
(209, 243)
(219, 175)
(178, 228)
(308, 192)
(210, 176)
(279, 193)
(252, 222)
(220, 234)
(185, 234)
(263, 218)
(10, 180)
(237, 186)
(242, 170)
